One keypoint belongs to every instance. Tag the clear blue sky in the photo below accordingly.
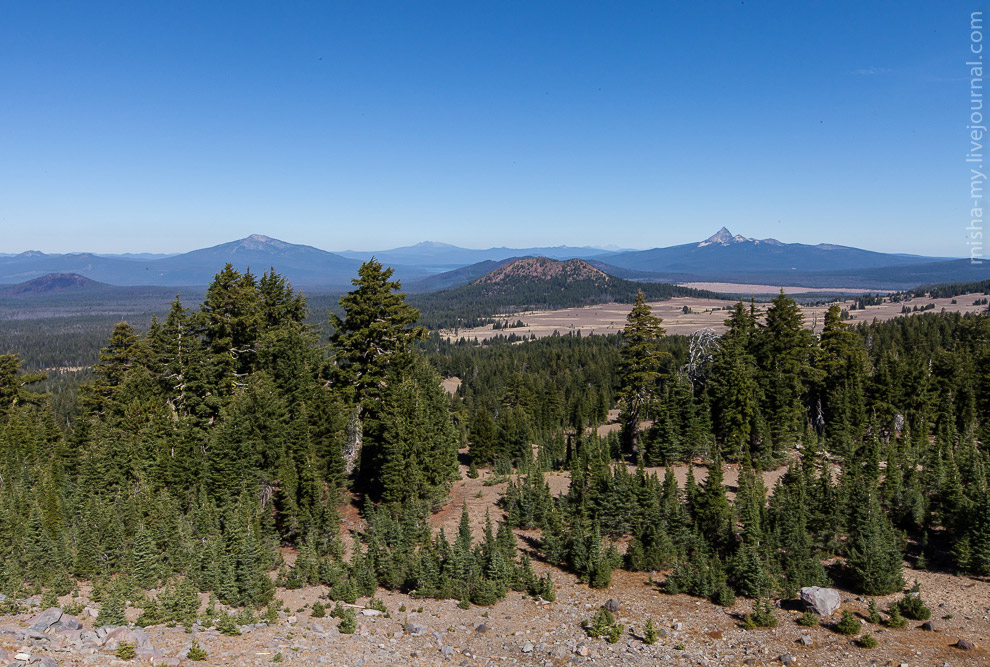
(168, 126)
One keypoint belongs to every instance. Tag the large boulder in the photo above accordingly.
(822, 601)
(46, 619)
(123, 635)
(67, 624)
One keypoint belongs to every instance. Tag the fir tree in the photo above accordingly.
(640, 369)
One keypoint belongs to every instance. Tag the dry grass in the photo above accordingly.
(610, 318)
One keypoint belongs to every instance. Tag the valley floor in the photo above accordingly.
(610, 318)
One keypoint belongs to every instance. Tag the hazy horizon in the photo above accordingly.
(385, 247)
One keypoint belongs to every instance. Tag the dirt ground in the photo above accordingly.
(703, 313)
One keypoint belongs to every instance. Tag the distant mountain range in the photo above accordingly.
(722, 257)
(443, 256)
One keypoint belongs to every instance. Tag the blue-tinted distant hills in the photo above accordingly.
(302, 265)
(725, 253)
(428, 266)
(440, 257)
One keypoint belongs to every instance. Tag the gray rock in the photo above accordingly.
(121, 635)
(805, 640)
(928, 626)
(415, 629)
(527, 647)
(448, 651)
(44, 661)
(822, 601)
(46, 619)
(66, 624)
(964, 645)
(611, 605)
(483, 628)
(787, 659)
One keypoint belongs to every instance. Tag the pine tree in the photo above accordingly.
(785, 354)
(482, 437)
(116, 359)
(640, 369)
(874, 562)
(146, 559)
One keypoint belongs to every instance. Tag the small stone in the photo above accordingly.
(805, 640)
(22, 656)
(928, 626)
(964, 645)
(582, 650)
(611, 605)
(527, 647)
(415, 629)
(448, 651)
(787, 659)
(483, 628)
(370, 612)
(678, 627)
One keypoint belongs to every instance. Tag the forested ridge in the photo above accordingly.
(210, 439)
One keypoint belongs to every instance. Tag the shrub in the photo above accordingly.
(73, 608)
(913, 607)
(126, 651)
(543, 588)
(111, 609)
(650, 634)
(348, 619)
(874, 615)
(867, 641)
(809, 619)
(227, 624)
(604, 625)
(377, 605)
(848, 625)
(49, 599)
(486, 592)
(763, 616)
(895, 620)
(318, 610)
(348, 624)
(196, 652)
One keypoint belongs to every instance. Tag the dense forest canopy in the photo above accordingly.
(208, 441)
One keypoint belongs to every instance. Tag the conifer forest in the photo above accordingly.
(208, 441)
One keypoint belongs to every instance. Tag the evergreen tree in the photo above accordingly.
(640, 369)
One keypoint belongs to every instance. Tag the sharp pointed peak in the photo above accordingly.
(721, 237)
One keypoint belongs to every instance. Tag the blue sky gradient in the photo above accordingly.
(164, 127)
